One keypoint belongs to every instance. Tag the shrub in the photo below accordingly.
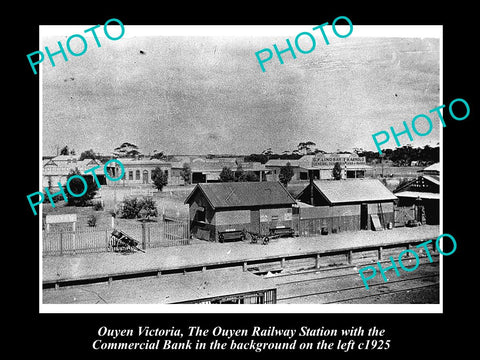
(97, 206)
(92, 221)
(149, 206)
(131, 208)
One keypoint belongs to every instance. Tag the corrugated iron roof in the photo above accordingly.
(418, 194)
(244, 194)
(354, 190)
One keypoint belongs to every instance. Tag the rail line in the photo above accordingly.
(333, 289)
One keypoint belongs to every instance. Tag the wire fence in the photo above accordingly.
(170, 232)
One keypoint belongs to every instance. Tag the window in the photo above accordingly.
(130, 175)
(166, 173)
(303, 175)
(137, 175)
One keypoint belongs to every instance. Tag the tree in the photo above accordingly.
(239, 173)
(126, 150)
(64, 150)
(304, 147)
(77, 186)
(337, 171)
(87, 154)
(286, 174)
(186, 173)
(159, 178)
(160, 155)
(251, 176)
(227, 175)
(130, 208)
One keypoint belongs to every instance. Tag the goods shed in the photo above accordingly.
(230, 207)
(345, 205)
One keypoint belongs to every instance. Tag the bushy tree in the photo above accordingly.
(131, 207)
(159, 178)
(227, 175)
(337, 171)
(186, 173)
(87, 154)
(240, 174)
(286, 174)
(77, 186)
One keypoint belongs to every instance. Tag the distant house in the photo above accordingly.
(56, 170)
(233, 206)
(339, 205)
(139, 171)
(208, 170)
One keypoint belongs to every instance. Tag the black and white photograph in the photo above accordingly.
(214, 176)
(258, 181)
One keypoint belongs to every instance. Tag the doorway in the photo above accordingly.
(364, 217)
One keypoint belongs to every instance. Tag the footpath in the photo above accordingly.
(200, 254)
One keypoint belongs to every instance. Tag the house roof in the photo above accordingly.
(419, 183)
(353, 190)
(243, 194)
(418, 194)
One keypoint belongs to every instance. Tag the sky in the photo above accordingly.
(196, 93)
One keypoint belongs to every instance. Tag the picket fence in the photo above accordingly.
(91, 240)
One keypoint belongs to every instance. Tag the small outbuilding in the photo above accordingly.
(230, 207)
(419, 200)
(345, 205)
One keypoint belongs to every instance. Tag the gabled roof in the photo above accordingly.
(353, 191)
(419, 184)
(243, 194)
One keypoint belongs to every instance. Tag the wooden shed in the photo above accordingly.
(341, 205)
(419, 200)
(233, 206)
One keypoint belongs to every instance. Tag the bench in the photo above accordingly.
(231, 235)
(282, 231)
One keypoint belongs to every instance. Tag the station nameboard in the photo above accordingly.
(61, 218)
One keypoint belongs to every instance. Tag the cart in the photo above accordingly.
(119, 241)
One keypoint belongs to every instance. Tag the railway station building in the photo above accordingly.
(330, 206)
(208, 170)
(231, 207)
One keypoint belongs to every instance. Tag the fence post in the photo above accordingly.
(106, 240)
(144, 237)
(61, 242)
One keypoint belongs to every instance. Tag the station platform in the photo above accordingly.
(68, 268)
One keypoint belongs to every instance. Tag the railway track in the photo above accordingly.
(321, 286)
